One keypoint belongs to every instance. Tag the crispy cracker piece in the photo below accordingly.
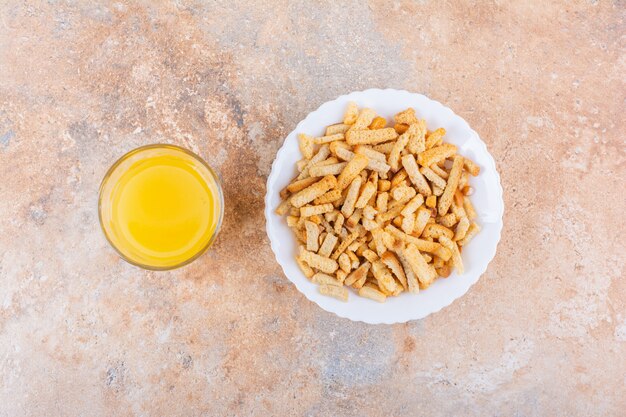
(397, 221)
(338, 223)
(358, 274)
(322, 278)
(328, 245)
(448, 220)
(366, 116)
(434, 155)
(378, 123)
(344, 244)
(442, 253)
(426, 274)
(383, 276)
(368, 191)
(395, 266)
(371, 137)
(328, 161)
(370, 255)
(370, 153)
(390, 214)
(453, 181)
(396, 150)
(372, 293)
(351, 196)
(400, 128)
(316, 261)
(305, 142)
(351, 114)
(312, 236)
(359, 283)
(411, 279)
(408, 161)
(408, 223)
(458, 210)
(336, 128)
(444, 271)
(421, 219)
(471, 167)
(403, 194)
(435, 138)
(306, 269)
(456, 255)
(437, 191)
(344, 153)
(413, 205)
(406, 117)
(292, 221)
(439, 171)
(421, 244)
(324, 170)
(463, 181)
(471, 232)
(384, 185)
(384, 148)
(427, 258)
(433, 177)
(344, 262)
(435, 230)
(469, 208)
(379, 243)
(300, 234)
(300, 185)
(335, 291)
(353, 259)
(369, 224)
(398, 178)
(329, 197)
(417, 133)
(378, 166)
(431, 201)
(341, 275)
(354, 219)
(301, 164)
(329, 138)
(373, 164)
(321, 154)
(338, 145)
(332, 216)
(369, 212)
(308, 211)
(283, 207)
(351, 171)
(381, 202)
(461, 229)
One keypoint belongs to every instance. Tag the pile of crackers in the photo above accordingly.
(380, 209)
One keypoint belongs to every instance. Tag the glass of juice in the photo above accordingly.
(161, 206)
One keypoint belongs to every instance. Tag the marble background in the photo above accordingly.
(84, 334)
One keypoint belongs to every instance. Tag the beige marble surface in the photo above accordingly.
(84, 334)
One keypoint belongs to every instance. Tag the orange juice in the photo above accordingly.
(160, 206)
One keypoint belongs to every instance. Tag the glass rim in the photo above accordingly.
(195, 156)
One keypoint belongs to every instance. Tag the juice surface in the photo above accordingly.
(163, 209)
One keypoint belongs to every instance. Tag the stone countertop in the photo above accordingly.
(83, 333)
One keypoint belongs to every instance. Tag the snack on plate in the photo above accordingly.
(381, 209)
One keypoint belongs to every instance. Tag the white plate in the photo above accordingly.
(487, 200)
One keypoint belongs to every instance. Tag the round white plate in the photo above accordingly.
(487, 199)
